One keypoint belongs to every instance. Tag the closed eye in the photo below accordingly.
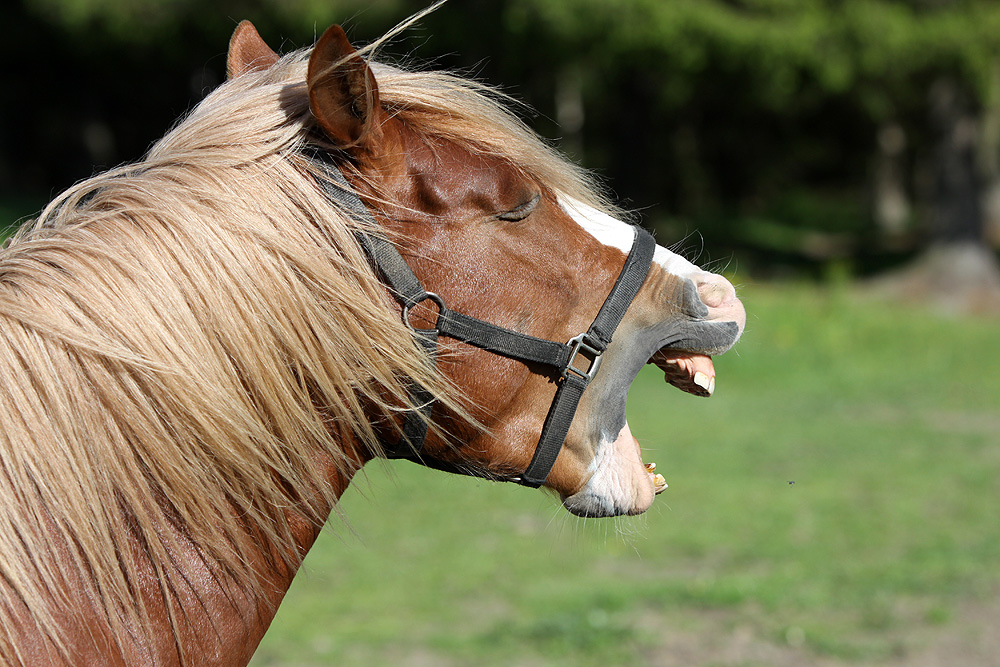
(521, 212)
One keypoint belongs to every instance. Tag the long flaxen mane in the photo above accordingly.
(185, 340)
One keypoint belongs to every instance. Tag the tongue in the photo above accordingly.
(693, 373)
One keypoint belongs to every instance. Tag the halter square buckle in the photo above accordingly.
(581, 344)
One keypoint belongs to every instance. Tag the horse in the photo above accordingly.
(328, 261)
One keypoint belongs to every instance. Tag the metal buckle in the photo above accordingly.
(407, 308)
(577, 345)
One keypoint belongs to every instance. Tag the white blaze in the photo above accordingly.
(617, 234)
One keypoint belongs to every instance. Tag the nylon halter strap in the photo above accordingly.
(565, 358)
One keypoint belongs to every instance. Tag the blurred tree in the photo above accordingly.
(770, 97)
(801, 126)
(97, 81)
(141, 21)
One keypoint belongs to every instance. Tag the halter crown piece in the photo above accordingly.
(563, 357)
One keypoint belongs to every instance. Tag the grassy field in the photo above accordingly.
(835, 503)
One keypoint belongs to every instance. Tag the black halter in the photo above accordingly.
(563, 357)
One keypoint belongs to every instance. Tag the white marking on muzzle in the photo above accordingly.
(619, 483)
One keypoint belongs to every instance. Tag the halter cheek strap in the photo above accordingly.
(567, 359)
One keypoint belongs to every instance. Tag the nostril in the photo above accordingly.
(715, 291)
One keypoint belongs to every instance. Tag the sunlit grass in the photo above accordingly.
(836, 496)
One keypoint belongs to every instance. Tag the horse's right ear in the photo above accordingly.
(247, 51)
(343, 95)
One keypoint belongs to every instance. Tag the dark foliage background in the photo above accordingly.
(802, 136)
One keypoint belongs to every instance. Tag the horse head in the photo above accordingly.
(198, 355)
(501, 242)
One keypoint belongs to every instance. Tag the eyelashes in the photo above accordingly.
(521, 212)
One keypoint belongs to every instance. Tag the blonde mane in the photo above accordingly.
(185, 340)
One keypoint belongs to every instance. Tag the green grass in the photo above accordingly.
(887, 421)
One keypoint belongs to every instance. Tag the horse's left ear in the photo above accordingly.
(248, 52)
(343, 95)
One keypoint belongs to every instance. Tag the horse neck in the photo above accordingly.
(239, 619)
(227, 621)
(219, 622)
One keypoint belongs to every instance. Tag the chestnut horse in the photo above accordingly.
(199, 350)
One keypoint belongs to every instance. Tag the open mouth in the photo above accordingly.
(621, 482)
(693, 373)
(682, 346)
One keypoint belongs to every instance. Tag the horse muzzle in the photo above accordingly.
(678, 323)
(713, 321)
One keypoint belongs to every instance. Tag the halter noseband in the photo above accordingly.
(562, 357)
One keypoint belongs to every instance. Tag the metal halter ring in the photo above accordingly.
(578, 344)
(408, 307)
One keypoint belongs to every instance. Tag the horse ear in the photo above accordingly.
(248, 52)
(343, 95)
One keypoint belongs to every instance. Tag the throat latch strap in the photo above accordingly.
(575, 362)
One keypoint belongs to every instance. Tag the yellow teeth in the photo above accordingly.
(705, 382)
(659, 484)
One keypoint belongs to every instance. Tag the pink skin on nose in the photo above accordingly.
(720, 296)
(715, 291)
